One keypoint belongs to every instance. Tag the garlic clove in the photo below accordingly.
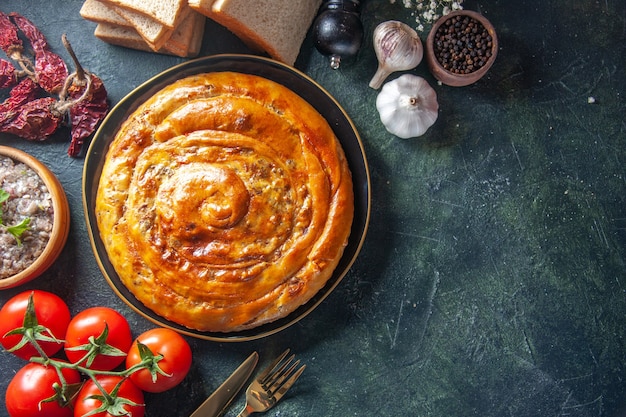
(407, 106)
(398, 48)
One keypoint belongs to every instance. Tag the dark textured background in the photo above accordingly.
(492, 281)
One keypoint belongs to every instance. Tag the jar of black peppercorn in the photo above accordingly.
(461, 47)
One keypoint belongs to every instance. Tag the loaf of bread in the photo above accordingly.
(225, 202)
(277, 27)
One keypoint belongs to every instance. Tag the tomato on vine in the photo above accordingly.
(168, 358)
(36, 324)
(34, 316)
(98, 338)
(120, 397)
(38, 391)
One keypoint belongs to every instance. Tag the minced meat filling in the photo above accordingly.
(28, 198)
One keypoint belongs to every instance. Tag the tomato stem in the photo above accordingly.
(149, 361)
(30, 335)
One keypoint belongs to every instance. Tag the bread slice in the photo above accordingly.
(166, 12)
(96, 11)
(121, 35)
(185, 42)
(154, 33)
(202, 6)
(277, 27)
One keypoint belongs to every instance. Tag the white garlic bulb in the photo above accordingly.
(398, 48)
(407, 106)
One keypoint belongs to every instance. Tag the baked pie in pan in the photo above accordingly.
(225, 202)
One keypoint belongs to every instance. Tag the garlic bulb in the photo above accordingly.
(398, 48)
(407, 106)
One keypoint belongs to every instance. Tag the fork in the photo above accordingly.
(270, 386)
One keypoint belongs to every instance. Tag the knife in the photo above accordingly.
(217, 403)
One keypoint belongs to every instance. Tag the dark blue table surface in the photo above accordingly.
(492, 280)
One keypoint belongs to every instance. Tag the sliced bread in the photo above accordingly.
(96, 11)
(188, 35)
(185, 42)
(166, 12)
(154, 33)
(121, 35)
(277, 27)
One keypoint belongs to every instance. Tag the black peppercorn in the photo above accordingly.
(459, 41)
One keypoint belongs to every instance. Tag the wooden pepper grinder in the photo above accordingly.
(338, 30)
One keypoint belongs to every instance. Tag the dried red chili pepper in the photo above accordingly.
(10, 42)
(86, 113)
(50, 69)
(89, 105)
(37, 39)
(36, 120)
(25, 91)
(82, 95)
(22, 113)
(8, 78)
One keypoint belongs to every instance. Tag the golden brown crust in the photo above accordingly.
(225, 202)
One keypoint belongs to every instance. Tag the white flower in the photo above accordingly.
(428, 11)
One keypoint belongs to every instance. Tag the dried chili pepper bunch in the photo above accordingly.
(43, 95)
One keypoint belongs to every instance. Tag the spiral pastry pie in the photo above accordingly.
(225, 202)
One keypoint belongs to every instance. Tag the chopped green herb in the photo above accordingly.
(17, 229)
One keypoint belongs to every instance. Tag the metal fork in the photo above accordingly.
(270, 386)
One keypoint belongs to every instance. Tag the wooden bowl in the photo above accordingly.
(451, 78)
(60, 225)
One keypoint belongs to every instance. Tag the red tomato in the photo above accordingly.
(31, 385)
(51, 312)
(90, 398)
(90, 323)
(175, 363)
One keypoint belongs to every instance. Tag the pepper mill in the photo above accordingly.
(338, 30)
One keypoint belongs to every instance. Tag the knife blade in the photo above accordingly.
(217, 402)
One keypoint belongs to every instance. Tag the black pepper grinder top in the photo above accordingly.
(338, 30)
